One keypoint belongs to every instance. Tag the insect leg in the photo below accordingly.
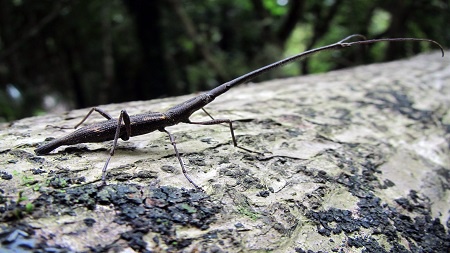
(126, 120)
(207, 113)
(215, 122)
(172, 141)
(103, 113)
(229, 122)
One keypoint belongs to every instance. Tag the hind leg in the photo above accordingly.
(103, 113)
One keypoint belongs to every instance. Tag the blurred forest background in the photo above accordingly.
(65, 54)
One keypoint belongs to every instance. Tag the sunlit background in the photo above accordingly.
(65, 54)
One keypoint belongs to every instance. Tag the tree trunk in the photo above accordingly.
(351, 160)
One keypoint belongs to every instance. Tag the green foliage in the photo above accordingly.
(188, 208)
(247, 212)
(15, 209)
(275, 8)
(29, 207)
(70, 54)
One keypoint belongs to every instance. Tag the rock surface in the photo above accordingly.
(356, 160)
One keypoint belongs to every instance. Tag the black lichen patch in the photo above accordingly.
(411, 220)
(263, 194)
(415, 203)
(37, 171)
(5, 175)
(24, 155)
(445, 176)
(244, 178)
(17, 239)
(159, 210)
(89, 222)
(399, 102)
(361, 183)
(13, 208)
(423, 233)
(63, 179)
(20, 238)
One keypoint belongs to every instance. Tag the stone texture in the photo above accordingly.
(349, 161)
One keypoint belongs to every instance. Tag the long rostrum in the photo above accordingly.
(338, 45)
(251, 75)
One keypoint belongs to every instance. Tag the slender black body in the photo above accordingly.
(105, 131)
(127, 126)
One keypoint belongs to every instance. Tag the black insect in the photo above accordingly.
(127, 126)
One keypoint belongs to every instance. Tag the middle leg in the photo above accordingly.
(183, 169)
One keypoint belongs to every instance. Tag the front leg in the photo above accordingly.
(215, 122)
(126, 120)
(230, 124)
